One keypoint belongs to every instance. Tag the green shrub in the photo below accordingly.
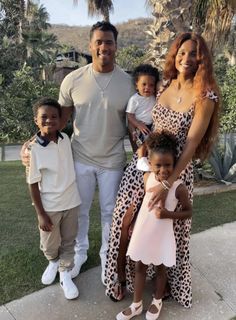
(226, 77)
(130, 57)
(16, 100)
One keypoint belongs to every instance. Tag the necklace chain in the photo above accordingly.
(102, 89)
(180, 99)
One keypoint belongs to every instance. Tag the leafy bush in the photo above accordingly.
(226, 76)
(16, 100)
(130, 57)
(228, 119)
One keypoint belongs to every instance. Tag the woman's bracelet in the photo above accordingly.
(165, 184)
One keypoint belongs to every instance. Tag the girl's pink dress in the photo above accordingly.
(153, 240)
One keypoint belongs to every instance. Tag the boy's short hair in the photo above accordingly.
(147, 70)
(104, 26)
(45, 101)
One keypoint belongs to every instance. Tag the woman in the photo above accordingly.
(187, 106)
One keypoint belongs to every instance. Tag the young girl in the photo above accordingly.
(140, 105)
(153, 241)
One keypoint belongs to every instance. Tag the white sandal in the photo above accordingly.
(158, 304)
(136, 309)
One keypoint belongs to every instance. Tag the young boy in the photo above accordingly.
(54, 193)
(140, 105)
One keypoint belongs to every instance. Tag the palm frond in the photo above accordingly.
(218, 22)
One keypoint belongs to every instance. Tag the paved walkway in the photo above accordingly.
(12, 152)
(213, 258)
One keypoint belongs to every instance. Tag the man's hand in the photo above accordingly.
(24, 153)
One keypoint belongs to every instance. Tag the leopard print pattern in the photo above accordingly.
(131, 192)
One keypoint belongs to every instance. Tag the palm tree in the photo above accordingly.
(37, 17)
(40, 45)
(211, 18)
(12, 19)
(99, 7)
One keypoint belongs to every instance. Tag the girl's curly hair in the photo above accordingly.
(163, 142)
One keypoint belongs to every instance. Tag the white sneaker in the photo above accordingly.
(68, 286)
(79, 260)
(50, 272)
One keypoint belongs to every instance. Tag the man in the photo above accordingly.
(97, 94)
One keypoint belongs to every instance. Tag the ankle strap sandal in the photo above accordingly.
(136, 308)
(158, 304)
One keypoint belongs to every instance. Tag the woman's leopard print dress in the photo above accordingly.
(131, 191)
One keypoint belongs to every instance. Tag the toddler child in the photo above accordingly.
(153, 240)
(54, 193)
(140, 105)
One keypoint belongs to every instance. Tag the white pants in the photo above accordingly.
(87, 176)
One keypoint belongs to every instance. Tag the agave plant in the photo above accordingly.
(223, 159)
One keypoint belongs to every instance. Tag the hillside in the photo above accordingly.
(130, 32)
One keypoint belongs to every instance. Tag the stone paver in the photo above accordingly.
(5, 314)
(214, 256)
(93, 304)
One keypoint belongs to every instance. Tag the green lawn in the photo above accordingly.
(21, 261)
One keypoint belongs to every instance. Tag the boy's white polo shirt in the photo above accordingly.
(52, 166)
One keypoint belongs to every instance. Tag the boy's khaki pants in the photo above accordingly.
(59, 243)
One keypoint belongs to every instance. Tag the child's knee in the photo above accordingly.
(127, 218)
(161, 269)
(140, 267)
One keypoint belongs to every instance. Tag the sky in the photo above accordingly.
(63, 11)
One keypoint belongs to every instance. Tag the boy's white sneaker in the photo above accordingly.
(50, 272)
(68, 286)
(79, 260)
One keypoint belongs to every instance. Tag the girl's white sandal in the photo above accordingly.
(158, 304)
(136, 309)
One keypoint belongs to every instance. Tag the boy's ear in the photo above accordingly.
(35, 120)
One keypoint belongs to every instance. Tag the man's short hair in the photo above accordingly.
(104, 26)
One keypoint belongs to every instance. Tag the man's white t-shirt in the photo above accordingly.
(99, 115)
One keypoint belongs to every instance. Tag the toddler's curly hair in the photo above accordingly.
(163, 142)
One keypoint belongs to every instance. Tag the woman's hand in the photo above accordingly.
(158, 197)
